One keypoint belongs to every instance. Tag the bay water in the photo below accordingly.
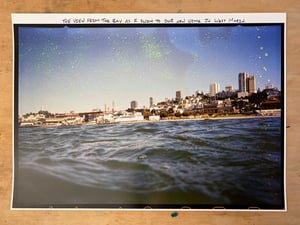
(232, 163)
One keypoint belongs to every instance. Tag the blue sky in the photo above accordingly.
(71, 68)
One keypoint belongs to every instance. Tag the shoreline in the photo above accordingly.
(161, 120)
(200, 119)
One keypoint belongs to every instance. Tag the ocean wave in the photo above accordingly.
(223, 161)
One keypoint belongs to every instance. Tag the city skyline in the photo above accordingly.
(72, 68)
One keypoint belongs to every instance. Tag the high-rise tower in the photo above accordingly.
(178, 95)
(214, 88)
(247, 84)
(133, 104)
(251, 81)
(243, 82)
(151, 101)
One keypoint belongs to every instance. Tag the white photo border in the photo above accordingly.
(150, 19)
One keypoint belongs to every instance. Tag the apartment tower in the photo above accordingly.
(214, 88)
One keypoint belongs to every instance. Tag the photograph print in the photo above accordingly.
(155, 116)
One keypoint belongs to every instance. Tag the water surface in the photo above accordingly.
(205, 163)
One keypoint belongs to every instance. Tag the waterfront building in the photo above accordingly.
(214, 88)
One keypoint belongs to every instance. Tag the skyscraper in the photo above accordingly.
(178, 95)
(133, 104)
(251, 81)
(243, 82)
(214, 88)
(151, 101)
(247, 84)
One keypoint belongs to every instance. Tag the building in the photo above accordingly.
(243, 82)
(247, 85)
(133, 104)
(214, 88)
(269, 85)
(217, 107)
(151, 102)
(242, 94)
(229, 88)
(178, 95)
(251, 81)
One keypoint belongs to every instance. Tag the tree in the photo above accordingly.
(45, 113)
(178, 114)
(146, 114)
(258, 98)
(185, 113)
(164, 114)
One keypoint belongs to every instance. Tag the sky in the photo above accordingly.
(63, 69)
